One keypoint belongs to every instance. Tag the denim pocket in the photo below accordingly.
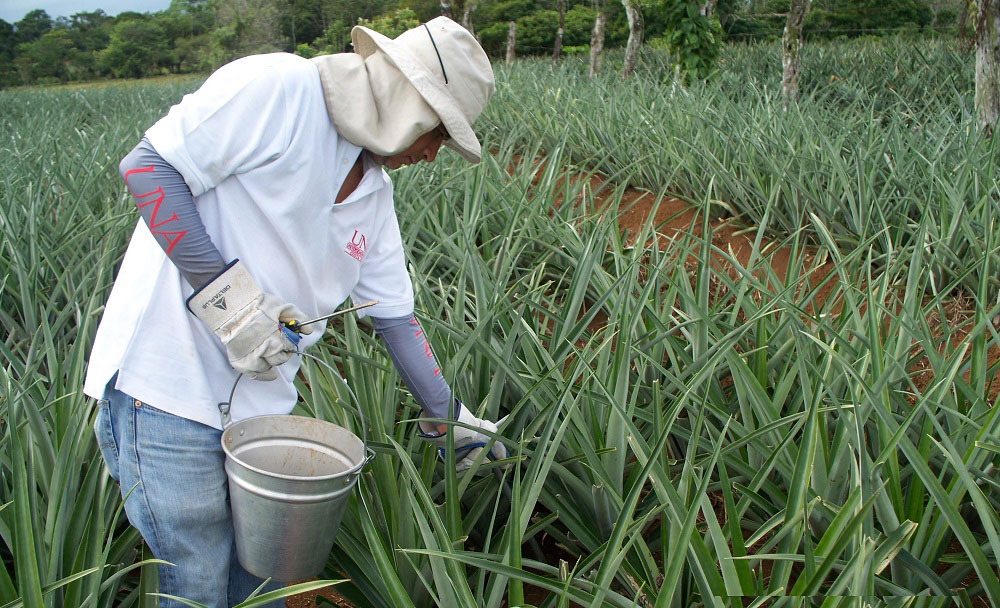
(106, 437)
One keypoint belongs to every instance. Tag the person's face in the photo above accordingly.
(424, 148)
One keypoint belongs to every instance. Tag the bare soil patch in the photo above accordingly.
(308, 599)
(673, 218)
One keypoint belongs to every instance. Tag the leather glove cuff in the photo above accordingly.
(226, 296)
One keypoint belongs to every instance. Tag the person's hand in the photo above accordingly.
(247, 321)
(468, 442)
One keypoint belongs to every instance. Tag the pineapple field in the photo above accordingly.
(748, 355)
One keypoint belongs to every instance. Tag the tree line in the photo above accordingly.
(200, 35)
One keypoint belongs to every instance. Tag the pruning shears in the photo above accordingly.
(291, 328)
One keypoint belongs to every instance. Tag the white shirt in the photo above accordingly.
(256, 146)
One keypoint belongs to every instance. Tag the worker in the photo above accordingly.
(264, 198)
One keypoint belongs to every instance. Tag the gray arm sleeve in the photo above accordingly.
(167, 206)
(411, 354)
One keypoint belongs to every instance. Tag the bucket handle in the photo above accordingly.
(225, 407)
(369, 456)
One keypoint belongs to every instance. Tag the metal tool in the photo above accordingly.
(291, 328)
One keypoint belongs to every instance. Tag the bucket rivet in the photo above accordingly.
(242, 432)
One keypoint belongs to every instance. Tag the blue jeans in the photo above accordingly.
(173, 479)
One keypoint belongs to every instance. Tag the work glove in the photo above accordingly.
(469, 442)
(247, 321)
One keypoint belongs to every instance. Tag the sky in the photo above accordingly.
(12, 11)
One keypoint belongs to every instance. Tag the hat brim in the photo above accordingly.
(461, 138)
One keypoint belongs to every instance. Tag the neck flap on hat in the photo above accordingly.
(371, 104)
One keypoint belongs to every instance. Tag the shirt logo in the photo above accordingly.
(356, 246)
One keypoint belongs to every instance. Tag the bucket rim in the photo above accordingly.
(353, 470)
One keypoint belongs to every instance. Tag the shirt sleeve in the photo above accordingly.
(411, 354)
(236, 121)
(384, 276)
(165, 204)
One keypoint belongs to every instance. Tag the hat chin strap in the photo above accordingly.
(372, 104)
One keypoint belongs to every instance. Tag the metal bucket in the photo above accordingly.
(289, 481)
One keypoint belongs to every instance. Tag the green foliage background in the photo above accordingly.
(200, 35)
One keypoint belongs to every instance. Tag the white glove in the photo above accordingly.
(247, 321)
(468, 441)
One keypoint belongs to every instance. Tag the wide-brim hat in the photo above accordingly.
(447, 67)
